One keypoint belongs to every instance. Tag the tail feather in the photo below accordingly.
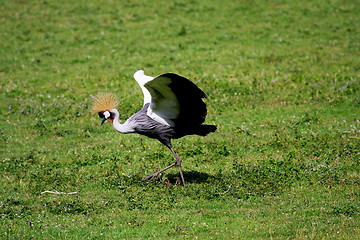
(204, 130)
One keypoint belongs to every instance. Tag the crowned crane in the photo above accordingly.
(173, 108)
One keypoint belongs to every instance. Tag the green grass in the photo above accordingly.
(283, 84)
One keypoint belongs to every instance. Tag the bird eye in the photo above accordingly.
(101, 114)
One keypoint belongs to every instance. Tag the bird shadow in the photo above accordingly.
(190, 177)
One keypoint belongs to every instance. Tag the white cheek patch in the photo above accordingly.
(107, 114)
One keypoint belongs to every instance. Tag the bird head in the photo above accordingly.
(105, 116)
(103, 103)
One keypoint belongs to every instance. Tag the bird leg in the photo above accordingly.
(177, 163)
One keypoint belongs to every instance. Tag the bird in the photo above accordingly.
(173, 108)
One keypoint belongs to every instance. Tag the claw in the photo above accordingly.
(151, 177)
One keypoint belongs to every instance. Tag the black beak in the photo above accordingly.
(102, 121)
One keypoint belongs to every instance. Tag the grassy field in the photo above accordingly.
(283, 84)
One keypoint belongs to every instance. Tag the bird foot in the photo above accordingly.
(151, 177)
(155, 175)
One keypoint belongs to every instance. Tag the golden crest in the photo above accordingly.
(103, 102)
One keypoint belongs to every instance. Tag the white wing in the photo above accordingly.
(164, 105)
(141, 79)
